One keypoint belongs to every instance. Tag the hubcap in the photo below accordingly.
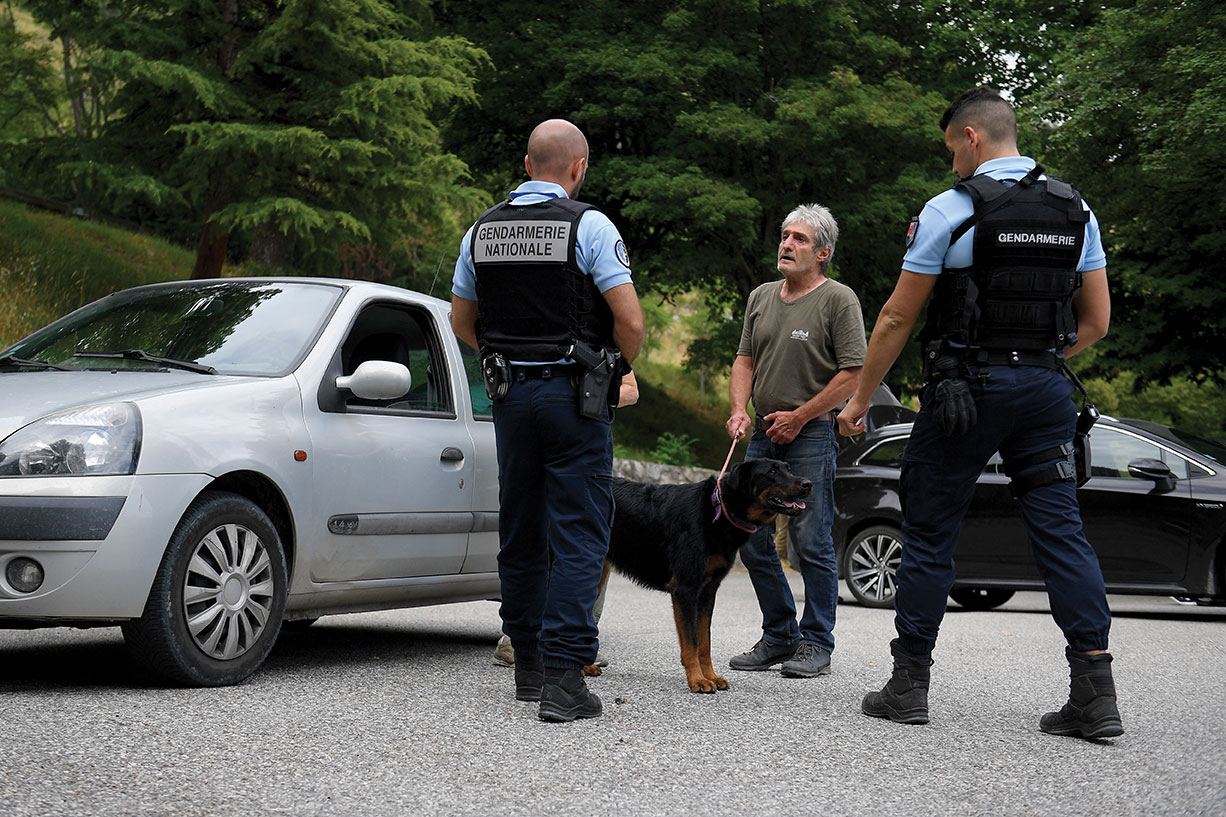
(874, 566)
(228, 591)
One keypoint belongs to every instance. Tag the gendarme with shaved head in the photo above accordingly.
(543, 292)
(553, 148)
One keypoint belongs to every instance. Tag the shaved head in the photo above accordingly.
(982, 109)
(553, 148)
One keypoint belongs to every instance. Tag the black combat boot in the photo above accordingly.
(564, 696)
(528, 677)
(904, 699)
(1091, 711)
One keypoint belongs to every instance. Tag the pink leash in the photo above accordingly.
(718, 494)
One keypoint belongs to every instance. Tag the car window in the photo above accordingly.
(237, 327)
(482, 404)
(887, 454)
(401, 335)
(1111, 451)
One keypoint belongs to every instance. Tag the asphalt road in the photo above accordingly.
(403, 714)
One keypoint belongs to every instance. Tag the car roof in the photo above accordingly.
(363, 287)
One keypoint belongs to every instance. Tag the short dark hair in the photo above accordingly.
(983, 109)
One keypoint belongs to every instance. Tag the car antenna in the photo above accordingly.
(441, 256)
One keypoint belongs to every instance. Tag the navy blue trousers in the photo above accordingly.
(555, 491)
(1022, 410)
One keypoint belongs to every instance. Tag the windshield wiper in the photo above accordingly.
(141, 354)
(20, 362)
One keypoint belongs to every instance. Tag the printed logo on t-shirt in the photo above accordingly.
(800, 334)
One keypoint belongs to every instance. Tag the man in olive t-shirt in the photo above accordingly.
(800, 356)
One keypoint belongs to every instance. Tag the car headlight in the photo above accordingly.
(101, 439)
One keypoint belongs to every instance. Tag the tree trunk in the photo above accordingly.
(270, 247)
(73, 89)
(214, 241)
(211, 252)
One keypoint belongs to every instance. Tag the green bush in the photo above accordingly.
(675, 449)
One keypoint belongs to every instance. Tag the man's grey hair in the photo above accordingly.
(825, 228)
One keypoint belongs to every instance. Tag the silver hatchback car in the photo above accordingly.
(198, 462)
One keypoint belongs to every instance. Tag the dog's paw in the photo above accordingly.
(719, 682)
(702, 685)
(591, 670)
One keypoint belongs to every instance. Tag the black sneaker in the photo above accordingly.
(809, 661)
(764, 655)
(565, 697)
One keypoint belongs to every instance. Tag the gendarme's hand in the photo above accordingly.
(953, 407)
(851, 417)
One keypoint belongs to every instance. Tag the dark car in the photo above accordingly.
(1154, 509)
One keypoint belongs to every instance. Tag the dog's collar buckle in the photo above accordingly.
(721, 510)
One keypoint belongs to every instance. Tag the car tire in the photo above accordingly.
(870, 565)
(980, 598)
(215, 607)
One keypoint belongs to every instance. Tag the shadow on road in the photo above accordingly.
(98, 659)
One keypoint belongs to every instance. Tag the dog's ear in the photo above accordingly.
(737, 476)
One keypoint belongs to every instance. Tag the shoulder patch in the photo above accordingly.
(912, 229)
(622, 255)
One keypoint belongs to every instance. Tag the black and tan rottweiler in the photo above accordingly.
(683, 539)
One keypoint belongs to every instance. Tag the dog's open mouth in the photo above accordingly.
(785, 505)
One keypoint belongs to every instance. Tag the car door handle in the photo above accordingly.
(451, 454)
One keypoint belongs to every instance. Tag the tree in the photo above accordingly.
(1138, 117)
(301, 126)
(710, 119)
(30, 93)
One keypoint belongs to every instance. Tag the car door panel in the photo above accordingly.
(397, 498)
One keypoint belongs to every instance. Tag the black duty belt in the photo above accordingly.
(1047, 360)
(545, 372)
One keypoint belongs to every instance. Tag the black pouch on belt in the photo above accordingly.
(593, 388)
(496, 372)
(1081, 439)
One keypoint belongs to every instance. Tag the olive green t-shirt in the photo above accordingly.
(798, 347)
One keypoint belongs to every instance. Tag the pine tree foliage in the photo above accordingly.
(305, 124)
(1138, 118)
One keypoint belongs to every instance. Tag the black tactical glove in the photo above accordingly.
(953, 406)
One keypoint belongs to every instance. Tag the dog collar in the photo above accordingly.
(722, 510)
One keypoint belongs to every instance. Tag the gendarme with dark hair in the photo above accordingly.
(1014, 264)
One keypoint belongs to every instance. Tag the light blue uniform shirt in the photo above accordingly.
(930, 252)
(599, 249)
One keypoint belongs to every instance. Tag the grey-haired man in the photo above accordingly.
(801, 350)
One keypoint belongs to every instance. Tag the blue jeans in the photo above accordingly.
(1022, 411)
(811, 456)
(555, 492)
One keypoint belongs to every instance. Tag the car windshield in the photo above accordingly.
(235, 327)
(1213, 449)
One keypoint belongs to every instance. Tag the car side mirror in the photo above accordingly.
(378, 380)
(1156, 470)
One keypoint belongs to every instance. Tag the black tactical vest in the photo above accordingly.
(1015, 302)
(533, 301)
